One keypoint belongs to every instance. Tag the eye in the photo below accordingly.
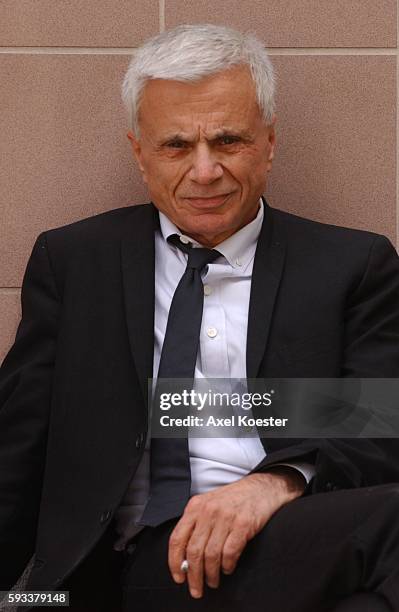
(228, 140)
(176, 144)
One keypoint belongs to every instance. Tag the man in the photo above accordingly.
(276, 524)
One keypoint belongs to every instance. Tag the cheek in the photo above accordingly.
(247, 165)
(248, 177)
(165, 174)
(257, 168)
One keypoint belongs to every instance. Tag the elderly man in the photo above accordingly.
(206, 281)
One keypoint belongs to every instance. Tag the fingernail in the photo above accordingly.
(195, 593)
(178, 578)
(227, 572)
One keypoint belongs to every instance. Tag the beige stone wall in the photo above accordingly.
(63, 148)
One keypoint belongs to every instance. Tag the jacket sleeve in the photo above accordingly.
(371, 350)
(25, 393)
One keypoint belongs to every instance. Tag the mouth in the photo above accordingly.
(207, 202)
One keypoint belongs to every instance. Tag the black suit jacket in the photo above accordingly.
(73, 417)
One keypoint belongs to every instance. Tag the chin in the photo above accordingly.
(209, 226)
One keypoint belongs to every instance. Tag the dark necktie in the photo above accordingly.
(169, 457)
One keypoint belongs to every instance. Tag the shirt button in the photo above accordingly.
(184, 239)
(238, 262)
(207, 290)
(212, 332)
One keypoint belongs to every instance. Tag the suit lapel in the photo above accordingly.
(138, 272)
(266, 276)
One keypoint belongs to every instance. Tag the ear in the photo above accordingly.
(271, 142)
(137, 152)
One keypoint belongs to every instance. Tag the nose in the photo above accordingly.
(205, 167)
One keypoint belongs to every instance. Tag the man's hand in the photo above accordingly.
(216, 526)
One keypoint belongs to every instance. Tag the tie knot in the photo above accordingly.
(197, 258)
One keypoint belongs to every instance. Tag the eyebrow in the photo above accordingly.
(244, 134)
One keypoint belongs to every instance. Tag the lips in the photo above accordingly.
(208, 201)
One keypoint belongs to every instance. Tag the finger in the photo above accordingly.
(178, 540)
(232, 550)
(213, 553)
(195, 556)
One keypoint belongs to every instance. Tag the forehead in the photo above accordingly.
(227, 98)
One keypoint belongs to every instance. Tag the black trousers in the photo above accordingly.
(312, 556)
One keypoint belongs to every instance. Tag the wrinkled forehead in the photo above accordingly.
(222, 101)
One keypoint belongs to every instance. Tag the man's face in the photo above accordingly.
(204, 151)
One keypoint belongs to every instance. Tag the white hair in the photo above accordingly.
(193, 52)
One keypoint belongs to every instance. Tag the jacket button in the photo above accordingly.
(130, 548)
(105, 516)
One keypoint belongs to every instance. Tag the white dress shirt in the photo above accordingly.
(214, 462)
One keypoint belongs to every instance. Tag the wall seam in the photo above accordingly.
(162, 15)
(332, 51)
(271, 50)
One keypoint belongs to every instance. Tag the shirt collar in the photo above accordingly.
(239, 249)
